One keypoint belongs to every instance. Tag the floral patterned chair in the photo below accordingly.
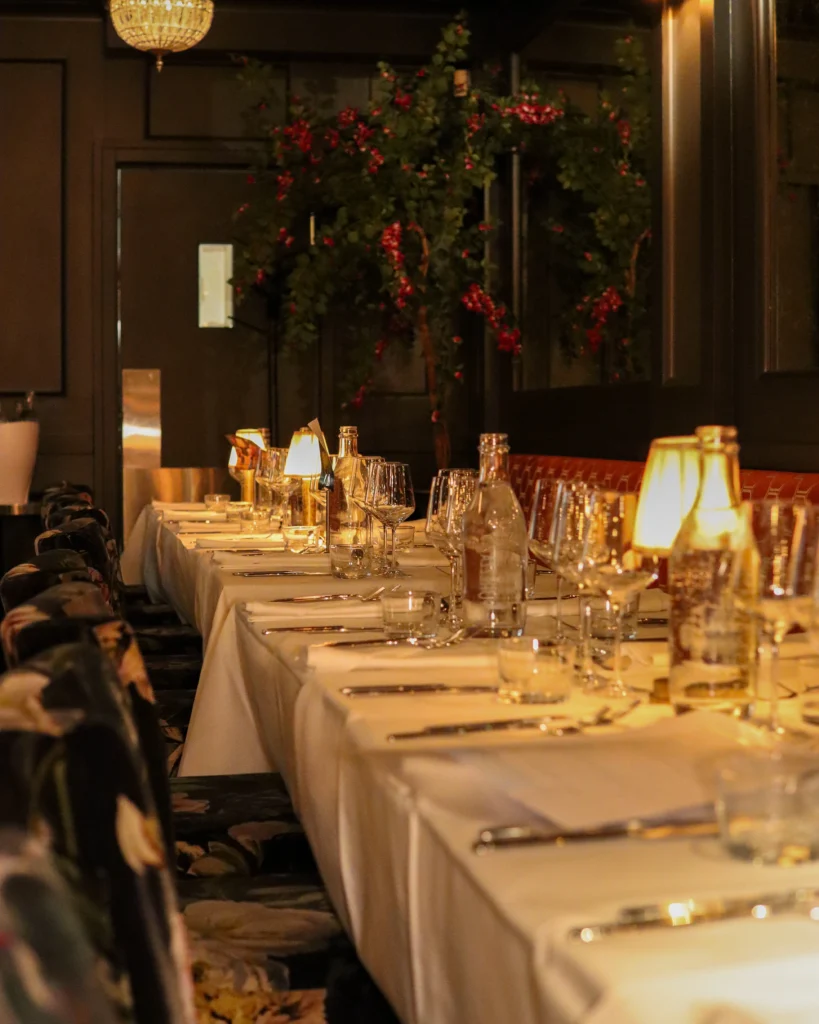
(263, 950)
(214, 825)
(71, 772)
(49, 973)
(39, 573)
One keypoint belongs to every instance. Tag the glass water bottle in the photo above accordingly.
(495, 548)
(712, 642)
(346, 520)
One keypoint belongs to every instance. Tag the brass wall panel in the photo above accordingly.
(142, 486)
(141, 419)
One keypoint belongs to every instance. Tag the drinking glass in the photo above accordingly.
(615, 568)
(410, 614)
(255, 519)
(361, 494)
(393, 501)
(533, 671)
(549, 520)
(455, 495)
(783, 594)
(449, 482)
(768, 806)
(270, 488)
(217, 502)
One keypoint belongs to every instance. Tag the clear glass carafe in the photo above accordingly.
(712, 641)
(495, 542)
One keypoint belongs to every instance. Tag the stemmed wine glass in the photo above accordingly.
(615, 568)
(451, 488)
(270, 490)
(393, 501)
(553, 531)
(783, 592)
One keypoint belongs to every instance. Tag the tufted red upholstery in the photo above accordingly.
(757, 484)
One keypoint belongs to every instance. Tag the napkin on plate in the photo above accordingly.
(183, 516)
(179, 506)
(329, 612)
(421, 556)
(590, 780)
(348, 659)
(223, 527)
(275, 560)
(266, 542)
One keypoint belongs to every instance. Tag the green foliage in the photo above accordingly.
(601, 220)
(375, 215)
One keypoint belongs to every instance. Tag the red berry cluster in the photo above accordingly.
(602, 308)
(529, 111)
(402, 100)
(362, 135)
(391, 243)
(478, 301)
(376, 160)
(624, 131)
(347, 117)
(474, 123)
(358, 398)
(283, 183)
(298, 134)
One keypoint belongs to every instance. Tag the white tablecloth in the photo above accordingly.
(449, 936)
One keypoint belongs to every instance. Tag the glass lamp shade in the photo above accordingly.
(668, 490)
(303, 455)
(255, 434)
(162, 26)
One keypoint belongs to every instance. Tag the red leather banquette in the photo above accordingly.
(612, 474)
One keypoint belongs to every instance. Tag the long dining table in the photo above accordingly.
(453, 933)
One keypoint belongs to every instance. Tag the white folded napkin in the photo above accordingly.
(274, 560)
(223, 527)
(421, 556)
(474, 655)
(330, 612)
(591, 780)
(266, 542)
(183, 516)
(179, 506)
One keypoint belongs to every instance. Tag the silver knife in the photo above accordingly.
(506, 836)
(463, 728)
(322, 629)
(279, 572)
(400, 689)
(686, 912)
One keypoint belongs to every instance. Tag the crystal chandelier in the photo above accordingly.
(161, 26)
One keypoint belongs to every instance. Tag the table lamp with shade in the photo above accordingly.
(670, 483)
(302, 526)
(245, 446)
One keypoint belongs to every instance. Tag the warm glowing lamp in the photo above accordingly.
(303, 455)
(303, 466)
(254, 434)
(670, 482)
(162, 26)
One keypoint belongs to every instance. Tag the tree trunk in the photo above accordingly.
(440, 428)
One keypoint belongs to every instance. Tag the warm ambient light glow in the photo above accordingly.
(253, 434)
(303, 455)
(669, 486)
(162, 26)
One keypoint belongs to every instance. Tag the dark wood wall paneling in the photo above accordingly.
(50, 84)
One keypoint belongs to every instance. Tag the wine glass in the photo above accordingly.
(450, 488)
(782, 591)
(393, 501)
(361, 494)
(269, 476)
(615, 568)
(554, 530)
